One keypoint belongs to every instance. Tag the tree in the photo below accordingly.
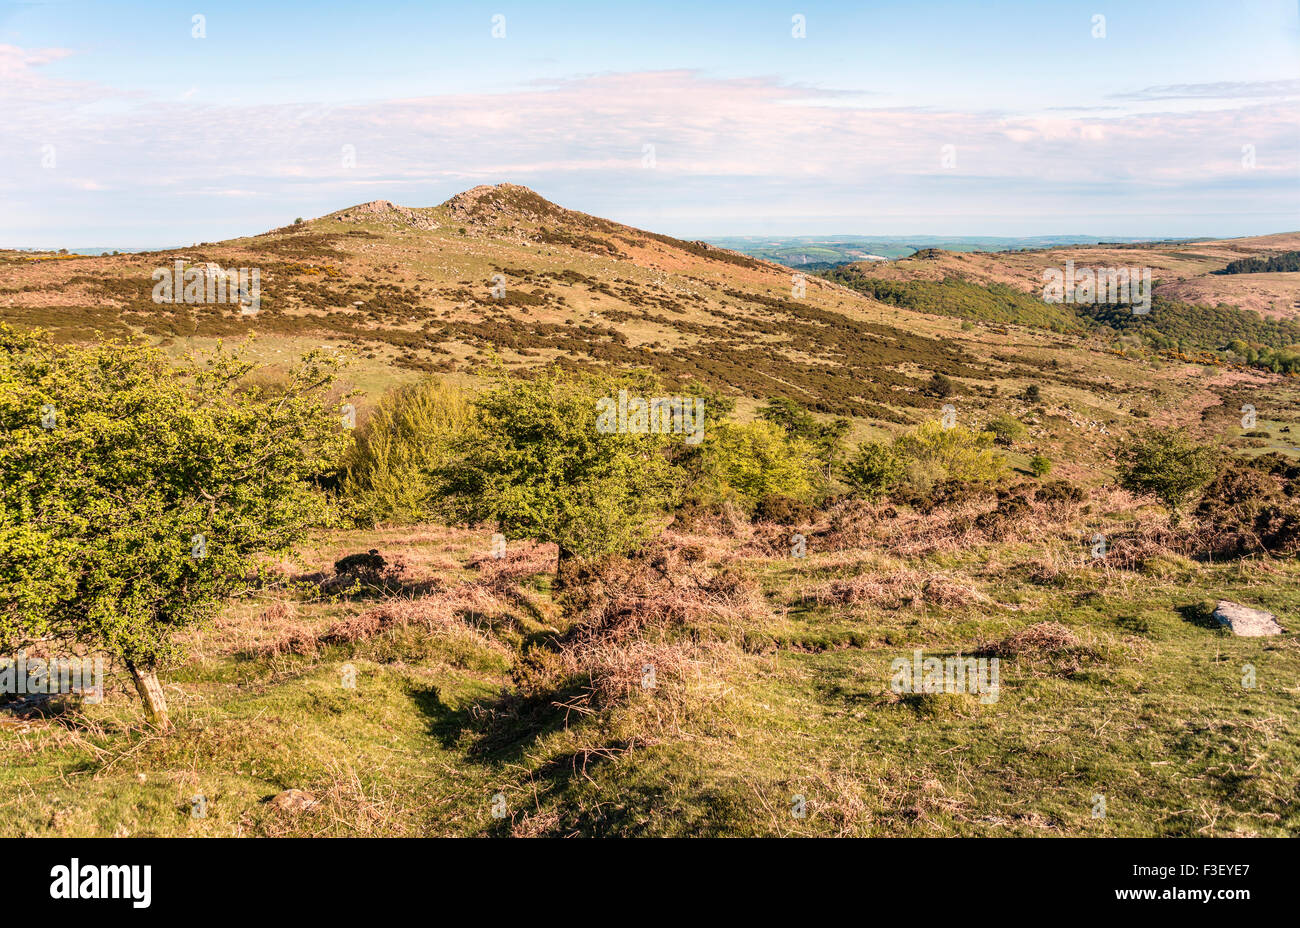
(755, 460)
(933, 453)
(135, 496)
(1040, 465)
(1169, 464)
(1006, 430)
(798, 422)
(875, 469)
(534, 463)
(390, 470)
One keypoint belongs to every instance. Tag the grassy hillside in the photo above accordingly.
(772, 681)
(1187, 272)
(731, 675)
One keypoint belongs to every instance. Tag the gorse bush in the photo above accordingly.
(390, 472)
(135, 497)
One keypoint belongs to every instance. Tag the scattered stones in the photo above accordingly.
(1245, 621)
(385, 211)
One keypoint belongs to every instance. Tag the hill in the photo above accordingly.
(805, 251)
(735, 672)
(1187, 272)
(501, 273)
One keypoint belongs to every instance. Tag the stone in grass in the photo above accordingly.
(1245, 621)
(293, 800)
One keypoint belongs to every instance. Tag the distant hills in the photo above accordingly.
(814, 253)
(499, 274)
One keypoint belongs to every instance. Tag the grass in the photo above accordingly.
(769, 688)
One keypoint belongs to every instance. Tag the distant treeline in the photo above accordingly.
(1287, 261)
(1196, 326)
(961, 298)
(1228, 333)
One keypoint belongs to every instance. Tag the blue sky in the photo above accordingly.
(696, 119)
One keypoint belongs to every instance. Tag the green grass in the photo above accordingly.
(1157, 721)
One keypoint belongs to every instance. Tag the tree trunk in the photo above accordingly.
(151, 694)
(563, 568)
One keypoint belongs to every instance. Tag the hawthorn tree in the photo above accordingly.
(534, 463)
(1169, 464)
(875, 469)
(136, 495)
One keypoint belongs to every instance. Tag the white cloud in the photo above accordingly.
(722, 146)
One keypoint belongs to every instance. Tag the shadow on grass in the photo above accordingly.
(500, 730)
(1201, 614)
(499, 735)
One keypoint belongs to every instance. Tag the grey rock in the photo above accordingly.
(1245, 621)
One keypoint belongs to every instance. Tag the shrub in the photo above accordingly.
(753, 461)
(1169, 464)
(137, 496)
(874, 470)
(1250, 509)
(941, 386)
(390, 473)
(933, 453)
(784, 511)
(1033, 393)
(367, 568)
(533, 463)
(1006, 430)
(1040, 465)
(798, 422)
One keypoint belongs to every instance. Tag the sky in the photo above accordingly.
(148, 124)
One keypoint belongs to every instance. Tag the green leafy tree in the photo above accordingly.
(874, 469)
(135, 496)
(825, 437)
(756, 460)
(533, 463)
(1169, 464)
(1040, 465)
(391, 469)
(1006, 430)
